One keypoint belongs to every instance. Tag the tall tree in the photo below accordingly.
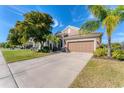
(35, 25)
(108, 18)
(13, 37)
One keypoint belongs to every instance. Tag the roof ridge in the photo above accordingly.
(73, 26)
(70, 26)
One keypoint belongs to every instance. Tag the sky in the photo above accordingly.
(63, 15)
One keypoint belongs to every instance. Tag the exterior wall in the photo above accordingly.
(68, 32)
(98, 39)
(71, 32)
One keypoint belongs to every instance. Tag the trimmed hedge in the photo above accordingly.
(46, 49)
(100, 52)
(116, 46)
(118, 54)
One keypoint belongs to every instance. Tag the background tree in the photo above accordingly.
(108, 18)
(41, 25)
(35, 25)
(4, 45)
(13, 37)
(53, 38)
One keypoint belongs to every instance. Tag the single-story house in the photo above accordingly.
(76, 42)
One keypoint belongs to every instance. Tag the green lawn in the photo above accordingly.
(18, 55)
(100, 73)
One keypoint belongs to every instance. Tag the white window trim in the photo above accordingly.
(94, 39)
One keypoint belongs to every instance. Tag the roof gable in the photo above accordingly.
(70, 27)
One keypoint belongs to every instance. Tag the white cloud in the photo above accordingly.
(112, 6)
(120, 34)
(56, 23)
(91, 16)
(79, 19)
(15, 12)
(61, 25)
(5, 23)
(18, 10)
(118, 39)
(114, 39)
(77, 9)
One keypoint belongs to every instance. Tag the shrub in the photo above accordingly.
(116, 46)
(118, 54)
(45, 49)
(103, 46)
(113, 45)
(100, 52)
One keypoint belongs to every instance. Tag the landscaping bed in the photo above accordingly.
(19, 55)
(117, 52)
(100, 73)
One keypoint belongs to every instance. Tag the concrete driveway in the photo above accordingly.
(57, 70)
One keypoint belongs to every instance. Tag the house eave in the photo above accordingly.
(95, 35)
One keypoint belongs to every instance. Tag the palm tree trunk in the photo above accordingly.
(40, 45)
(109, 47)
(34, 43)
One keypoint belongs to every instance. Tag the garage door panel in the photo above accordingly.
(81, 46)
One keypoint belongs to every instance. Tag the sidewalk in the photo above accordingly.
(6, 80)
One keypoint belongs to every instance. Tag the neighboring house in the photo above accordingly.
(36, 45)
(75, 42)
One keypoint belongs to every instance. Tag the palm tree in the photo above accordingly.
(108, 18)
(89, 26)
(52, 38)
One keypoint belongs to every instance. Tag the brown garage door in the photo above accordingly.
(81, 46)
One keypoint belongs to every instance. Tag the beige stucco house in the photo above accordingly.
(76, 42)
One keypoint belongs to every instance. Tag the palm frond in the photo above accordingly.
(98, 11)
(110, 22)
(90, 26)
(119, 10)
